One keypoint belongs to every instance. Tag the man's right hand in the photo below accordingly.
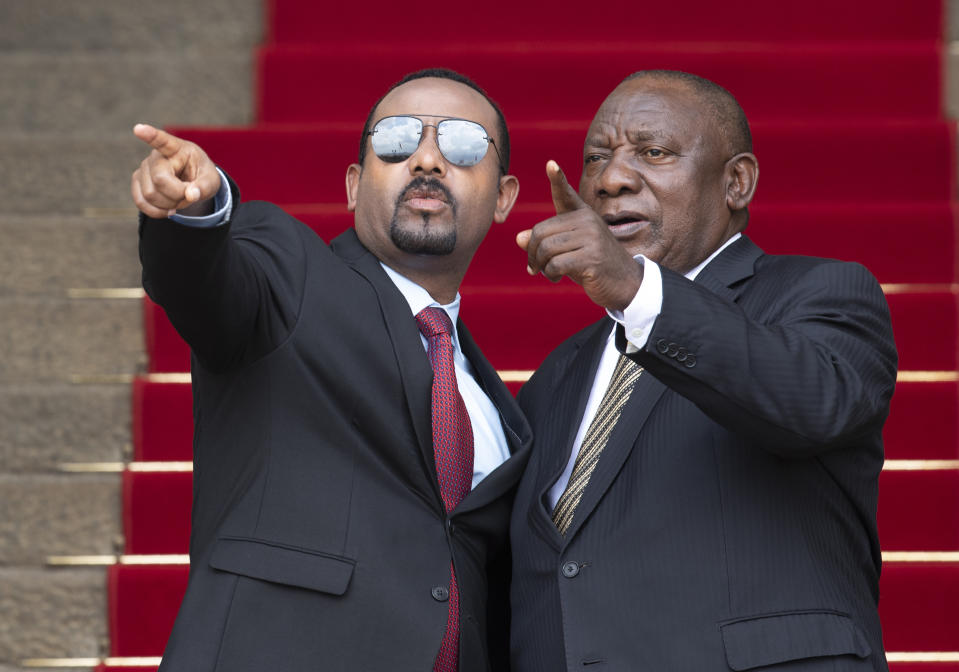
(176, 176)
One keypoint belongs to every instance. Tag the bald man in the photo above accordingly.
(702, 492)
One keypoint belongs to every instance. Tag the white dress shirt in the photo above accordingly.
(637, 320)
(489, 442)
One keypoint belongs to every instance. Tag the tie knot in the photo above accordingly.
(434, 322)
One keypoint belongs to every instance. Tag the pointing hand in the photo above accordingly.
(577, 243)
(176, 175)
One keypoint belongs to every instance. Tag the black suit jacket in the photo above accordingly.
(731, 520)
(318, 529)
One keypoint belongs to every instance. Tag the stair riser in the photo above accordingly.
(57, 515)
(169, 26)
(91, 93)
(280, 165)
(51, 613)
(49, 255)
(43, 426)
(769, 81)
(54, 339)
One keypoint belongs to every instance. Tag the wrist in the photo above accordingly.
(198, 209)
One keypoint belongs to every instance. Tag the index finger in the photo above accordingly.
(168, 145)
(565, 198)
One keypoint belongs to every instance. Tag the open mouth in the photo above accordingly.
(625, 223)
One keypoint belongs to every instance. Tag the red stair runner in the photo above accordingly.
(280, 162)
(925, 326)
(918, 606)
(923, 422)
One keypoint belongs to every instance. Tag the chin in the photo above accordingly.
(424, 241)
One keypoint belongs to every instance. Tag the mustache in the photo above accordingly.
(430, 184)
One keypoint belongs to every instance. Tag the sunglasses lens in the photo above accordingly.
(463, 143)
(394, 139)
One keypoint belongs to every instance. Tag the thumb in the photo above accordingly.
(522, 238)
(565, 198)
(192, 193)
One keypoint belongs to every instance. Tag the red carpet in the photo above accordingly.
(280, 162)
(858, 163)
(924, 322)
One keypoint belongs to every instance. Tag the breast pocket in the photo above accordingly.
(778, 638)
(285, 565)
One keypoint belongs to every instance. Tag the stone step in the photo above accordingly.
(57, 514)
(49, 339)
(51, 612)
(45, 425)
(64, 173)
(49, 254)
(132, 24)
(951, 74)
(12, 668)
(91, 92)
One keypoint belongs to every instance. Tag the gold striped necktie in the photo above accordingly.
(610, 408)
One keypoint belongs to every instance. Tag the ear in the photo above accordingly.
(742, 174)
(353, 173)
(508, 191)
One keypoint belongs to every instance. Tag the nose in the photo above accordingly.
(619, 176)
(427, 159)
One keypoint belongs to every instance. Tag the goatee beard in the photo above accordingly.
(422, 239)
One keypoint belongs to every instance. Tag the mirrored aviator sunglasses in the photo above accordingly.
(462, 142)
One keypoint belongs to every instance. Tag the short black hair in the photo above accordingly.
(445, 73)
(726, 110)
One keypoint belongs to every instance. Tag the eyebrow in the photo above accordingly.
(601, 138)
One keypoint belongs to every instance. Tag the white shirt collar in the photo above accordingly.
(419, 298)
(693, 273)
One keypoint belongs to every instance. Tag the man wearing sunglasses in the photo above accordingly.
(354, 454)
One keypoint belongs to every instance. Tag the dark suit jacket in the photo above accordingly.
(731, 520)
(318, 529)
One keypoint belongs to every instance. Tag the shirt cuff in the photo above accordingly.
(640, 315)
(222, 206)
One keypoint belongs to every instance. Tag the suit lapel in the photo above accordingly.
(411, 359)
(646, 393)
(519, 436)
(724, 276)
(558, 431)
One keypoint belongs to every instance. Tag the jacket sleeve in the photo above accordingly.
(811, 374)
(232, 292)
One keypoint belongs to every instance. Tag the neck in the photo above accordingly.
(440, 283)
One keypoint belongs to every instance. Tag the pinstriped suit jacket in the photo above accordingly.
(731, 520)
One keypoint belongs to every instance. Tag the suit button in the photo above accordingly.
(450, 526)
(672, 349)
(690, 361)
(570, 569)
(662, 346)
(440, 593)
(682, 354)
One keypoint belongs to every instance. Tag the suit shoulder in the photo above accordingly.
(257, 218)
(802, 273)
(796, 265)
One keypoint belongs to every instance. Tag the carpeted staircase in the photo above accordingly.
(858, 163)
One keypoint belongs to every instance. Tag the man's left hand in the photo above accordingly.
(577, 243)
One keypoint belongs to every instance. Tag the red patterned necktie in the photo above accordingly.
(452, 452)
